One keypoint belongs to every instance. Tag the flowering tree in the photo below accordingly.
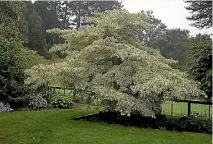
(108, 62)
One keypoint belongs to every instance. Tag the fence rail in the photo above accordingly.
(203, 108)
(187, 104)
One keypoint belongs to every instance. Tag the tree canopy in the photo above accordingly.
(37, 40)
(201, 13)
(199, 58)
(173, 44)
(106, 61)
(14, 58)
(199, 61)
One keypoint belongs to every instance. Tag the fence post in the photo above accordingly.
(172, 109)
(98, 104)
(189, 108)
(209, 111)
(49, 90)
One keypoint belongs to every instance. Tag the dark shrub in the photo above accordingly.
(189, 124)
(37, 102)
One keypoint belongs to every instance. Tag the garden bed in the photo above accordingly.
(188, 124)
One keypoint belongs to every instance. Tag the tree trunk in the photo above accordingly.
(65, 15)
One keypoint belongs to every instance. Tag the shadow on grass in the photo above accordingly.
(181, 124)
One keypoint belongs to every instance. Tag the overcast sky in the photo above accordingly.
(171, 12)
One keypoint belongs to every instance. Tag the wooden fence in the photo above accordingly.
(189, 107)
(189, 103)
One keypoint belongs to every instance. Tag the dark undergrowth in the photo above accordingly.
(187, 124)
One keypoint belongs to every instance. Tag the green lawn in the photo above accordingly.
(64, 92)
(56, 127)
(180, 109)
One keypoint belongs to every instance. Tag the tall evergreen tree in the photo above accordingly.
(201, 13)
(199, 61)
(200, 54)
(83, 9)
(36, 32)
(48, 11)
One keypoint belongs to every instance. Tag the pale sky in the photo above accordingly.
(171, 12)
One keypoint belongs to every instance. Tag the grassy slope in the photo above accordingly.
(55, 127)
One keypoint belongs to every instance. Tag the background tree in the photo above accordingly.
(107, 62)
(150, 36)
(200, 54)
(65, 14)
(62, 14)
(199, 61)
(35, 32)
(84, 9)
(12, 54)
(173, 44)
(37, 40)
(11, 77)
(201, 13)
(48, 11)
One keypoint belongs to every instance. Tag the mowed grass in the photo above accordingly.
(180, 109)
(56, 127)
(64, 92)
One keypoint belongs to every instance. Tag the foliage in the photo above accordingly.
(201, 13)
(199, 61)
(48, 11)
(12, 75)
(79, 99)
(31, 58)
(36, 32)
(67, 14)
(5, 108)
(37, 102)
(200, 54)
(150, 36)
(12, 87)
(82, 10)
(173, 44)
(61, 14)
(108, 62)
(10, 14)
(14, 58)
(62, 101)
(190, 124)
(194, 123)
